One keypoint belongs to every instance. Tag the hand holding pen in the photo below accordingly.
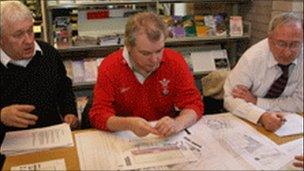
(272, 121)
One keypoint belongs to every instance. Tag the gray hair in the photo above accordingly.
(283, 18)
(13, 11)
(148, 23)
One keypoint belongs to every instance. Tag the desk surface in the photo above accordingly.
(71, 158)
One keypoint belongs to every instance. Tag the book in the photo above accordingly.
(236, 26)
(201, 29)
(221, 28)
(99, 60)
(69, 68)
(63, 31)
(188, 24)
(177, 28)
(90, 68)
(78, 71)
(210, 24)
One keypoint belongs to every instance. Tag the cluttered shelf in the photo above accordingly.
(89, 85)
(65, 52)
(69, 4)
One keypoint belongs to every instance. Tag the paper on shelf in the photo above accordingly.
(78, 71)
(206, 61)
(90, 68)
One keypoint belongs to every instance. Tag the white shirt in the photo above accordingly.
(5, 59)
(141, 78)
(257, 69)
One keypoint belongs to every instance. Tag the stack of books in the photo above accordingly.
(203, 25)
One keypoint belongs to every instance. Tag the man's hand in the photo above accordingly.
(272, 121)
(167, 126)
(72, 120)
(299, 162)
(18, 116)
(141, 127)
(242, 92)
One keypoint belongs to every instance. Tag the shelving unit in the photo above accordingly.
(80, 52)
(35, 7)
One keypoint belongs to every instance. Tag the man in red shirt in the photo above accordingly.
(144, 82)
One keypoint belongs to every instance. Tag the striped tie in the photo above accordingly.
(278, 85)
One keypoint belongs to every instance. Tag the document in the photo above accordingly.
(293, 125)
(293, 149)
(37, 139)
(58, 164)
(99, 150)
(211, 155)
(243, 141)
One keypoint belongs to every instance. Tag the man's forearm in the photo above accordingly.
(116, 123)
(186, 118)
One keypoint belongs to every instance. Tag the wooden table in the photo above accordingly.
(71, 157)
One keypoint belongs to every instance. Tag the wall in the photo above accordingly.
(260, 12)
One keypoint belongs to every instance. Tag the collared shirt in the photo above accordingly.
(140, 77)
(257, 69)
(5, 59)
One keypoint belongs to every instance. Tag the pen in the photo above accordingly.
(187, 131)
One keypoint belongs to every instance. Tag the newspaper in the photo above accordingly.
(128, 154)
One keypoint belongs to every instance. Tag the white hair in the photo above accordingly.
(13, 11)
(283, 18)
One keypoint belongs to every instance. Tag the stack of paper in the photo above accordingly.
(26, 141)
(129, 154)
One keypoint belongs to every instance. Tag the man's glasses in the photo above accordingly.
(283, 45)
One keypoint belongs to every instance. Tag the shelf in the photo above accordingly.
(90, 85)
(204, 1)
(203, 40)
(100, 3)
(84, 86)
(87, 48)
(126, 2)
(169, 43)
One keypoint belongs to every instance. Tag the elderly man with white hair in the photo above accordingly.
(34, 88)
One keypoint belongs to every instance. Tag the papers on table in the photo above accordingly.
(58, 164)
(293, 125)
(100, 150)
(246, 144)
(216, 142)
(38, 139)
(293, 149)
